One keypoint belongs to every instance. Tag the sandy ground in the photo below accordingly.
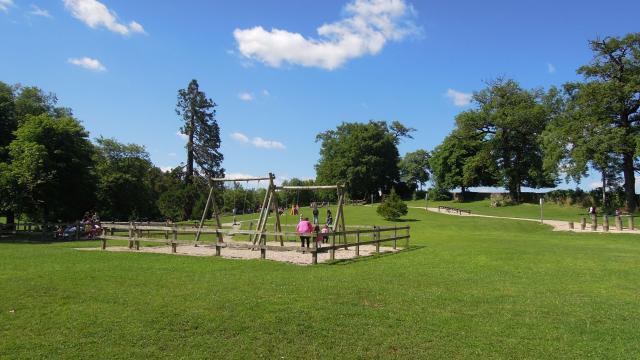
(557, 225)
(293, 257)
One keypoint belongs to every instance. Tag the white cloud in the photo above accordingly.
(258, 141)
(369, 25)
(87, 63)
(459, 98)
(37, 11)
(551, 68)
(182, 136)
(240, 137)
(135, 27)
(265, 92)
(95, 14)
(267, 144)
(245, 96)
(5, 5)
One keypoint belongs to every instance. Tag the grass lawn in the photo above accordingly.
(532, 211)
(468, 288)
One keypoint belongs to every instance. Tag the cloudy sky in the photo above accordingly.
(282, 71)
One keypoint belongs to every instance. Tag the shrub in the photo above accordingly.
(393, 207)
(440, 194)
(500, 200)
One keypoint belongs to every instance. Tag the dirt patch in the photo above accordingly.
(294, 257)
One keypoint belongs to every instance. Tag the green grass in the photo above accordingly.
(531, 211)
(468, 288)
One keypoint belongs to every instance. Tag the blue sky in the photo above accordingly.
(119, 65)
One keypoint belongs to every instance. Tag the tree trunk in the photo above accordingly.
(604, 189)
(188, 179)
(11, 219)
(463, 192)
(629, 182)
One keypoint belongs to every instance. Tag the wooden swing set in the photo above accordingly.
(269, 204)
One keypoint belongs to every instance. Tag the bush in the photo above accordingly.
(393, 207)
(440, 194)
(500, 200)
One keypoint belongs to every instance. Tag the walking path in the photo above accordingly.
(558, 225)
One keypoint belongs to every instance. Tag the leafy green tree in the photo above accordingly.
(125, 186)
(458, 163)
(414, 168)
(392, 208)
(602, 122)
(51, 162)
(363, 156)
(201, 128)
(509, 122)
(8, 119)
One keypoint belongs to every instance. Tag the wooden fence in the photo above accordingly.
(135, 233)
(454, 210)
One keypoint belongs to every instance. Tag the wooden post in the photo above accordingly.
(332, 252)
(166, 232)
(377, 238)
(631, 224)
(314, 253)
(174, 247)
(204, 215)
(217, 249)
(131, 231)
(358, 242)
(395, 236)
(605, 223)
(77, 230)
(104, 243)
(406, 241)
(263, 247)
(619, 223)
(594, 222)
(583, 224)
(570, 225)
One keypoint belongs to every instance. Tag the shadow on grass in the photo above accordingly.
(34, 239)
(374, 256)
(406, 220)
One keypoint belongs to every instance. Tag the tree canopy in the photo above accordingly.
(363, 156)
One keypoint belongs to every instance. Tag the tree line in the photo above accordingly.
(515, 137)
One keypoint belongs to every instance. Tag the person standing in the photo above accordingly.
(315, 214)
(329, 218)
(304, 229)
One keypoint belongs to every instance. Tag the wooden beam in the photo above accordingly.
(311, 187)
(241, 179)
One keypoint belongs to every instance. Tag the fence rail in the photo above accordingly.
(346, 239)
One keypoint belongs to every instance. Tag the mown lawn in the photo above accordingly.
(468, 288)
(532, 211)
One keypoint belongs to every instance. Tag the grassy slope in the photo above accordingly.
(469, 288)
(532, 211)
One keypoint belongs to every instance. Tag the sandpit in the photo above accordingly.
(294, 257)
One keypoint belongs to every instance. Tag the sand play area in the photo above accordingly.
(294, 257)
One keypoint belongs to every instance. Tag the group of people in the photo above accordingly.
(89, 227)
(306, 229)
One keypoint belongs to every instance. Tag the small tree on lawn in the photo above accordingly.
(393, 207)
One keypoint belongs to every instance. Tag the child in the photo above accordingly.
(329, 218)
(319, 236)
(325, 233)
